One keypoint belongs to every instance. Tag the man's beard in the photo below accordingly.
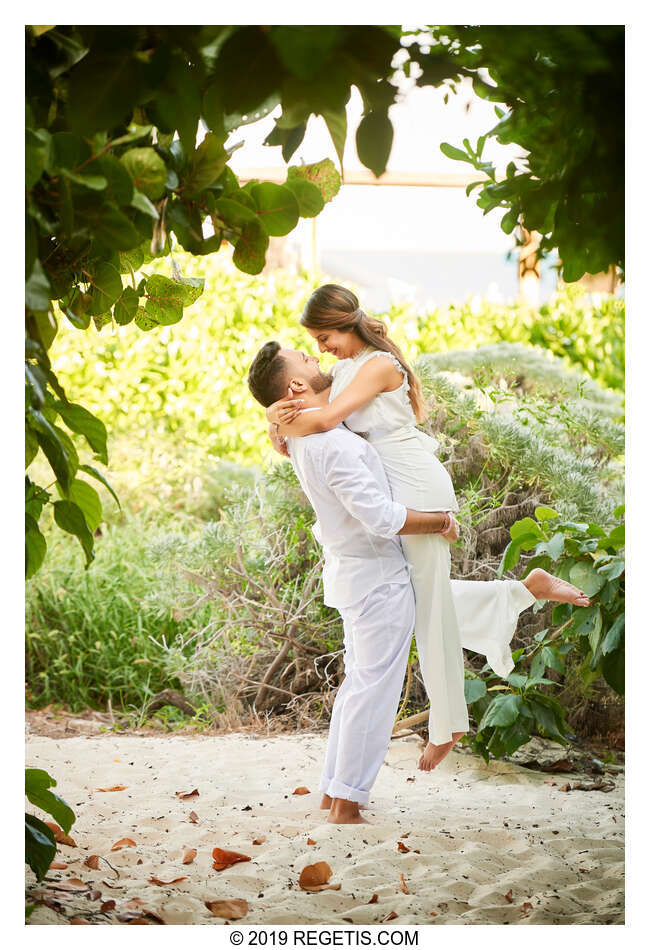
(321, 381)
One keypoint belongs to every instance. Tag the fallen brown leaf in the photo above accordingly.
(315, 877)
(508, 896)
(72, 884)
(107, 905)
(123, 843)
(113, 788)
(301, 791)
(59, 834)
(390, 916)
(411, 779)
(194, 818)
(402, 847)
(111, 884)
(184, 795)
(230, 910)
(403, 886)
(224, 859)
(156, 880)
(310, 841)
(94, 895)
(373, 899)
(433, 914)
(57, 866)
(260, 839)
(92, 861)
(189, 854)
(526, 907)
(78, 920)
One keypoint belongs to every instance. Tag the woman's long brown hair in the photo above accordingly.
(332, 307)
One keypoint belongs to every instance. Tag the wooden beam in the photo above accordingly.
(361, 176)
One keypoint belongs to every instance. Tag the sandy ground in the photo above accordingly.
(497, 844)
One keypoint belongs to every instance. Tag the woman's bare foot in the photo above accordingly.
(545, 586)
(434, 754)
(326, 802)
(344, 812)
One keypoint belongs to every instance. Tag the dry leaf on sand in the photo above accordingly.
(123, 843)
(194, 818)
(315, 877)
(107, 905)
(92, 862)
(224, 859)
(78, 920)
(184, 795)
(402, 847)
(260, 839)
(373, 899)
(156, 880)
(390, 916)
(59, 834)
(230, 910)
(310, 841)
(58, 866)
(188, 854)
(525, 908)
(113, 788)
(508, 896)
(72, 884)
(301, 791)
(403, 886)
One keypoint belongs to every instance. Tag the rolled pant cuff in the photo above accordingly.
(337, 789)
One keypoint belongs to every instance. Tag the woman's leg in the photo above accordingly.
(437, 636)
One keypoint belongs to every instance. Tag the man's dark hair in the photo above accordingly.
(267, 376)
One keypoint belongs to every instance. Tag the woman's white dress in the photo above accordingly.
(450, 614)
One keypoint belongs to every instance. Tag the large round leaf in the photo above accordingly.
(126, 307)
(310, 201)
(234, 213)
(374, 141)
(277, 207)
(106, 288)
(250, 251)
(165, 298)
(585, 577)
(147, 170)
(323, 174)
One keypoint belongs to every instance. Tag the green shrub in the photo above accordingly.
(88, 633)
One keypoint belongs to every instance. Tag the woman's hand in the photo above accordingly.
(453, 531)
(284, 411)
(278, 441)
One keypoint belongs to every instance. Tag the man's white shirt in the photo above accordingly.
(357, 520)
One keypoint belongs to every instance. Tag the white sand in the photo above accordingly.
(482, 831)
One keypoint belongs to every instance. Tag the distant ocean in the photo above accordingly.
(430, 277)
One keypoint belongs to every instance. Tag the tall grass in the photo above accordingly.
(89, 633)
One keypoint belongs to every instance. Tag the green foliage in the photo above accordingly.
(559, 90)
(113, 171)
(40, 846)
(590, 557)
(88, 634)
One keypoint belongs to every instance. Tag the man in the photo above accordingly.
(365, 576)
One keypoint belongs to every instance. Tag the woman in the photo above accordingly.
(379, 396)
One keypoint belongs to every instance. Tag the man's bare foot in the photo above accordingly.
(434, 754)
(326, 802)
(545, 586)
(344, 812)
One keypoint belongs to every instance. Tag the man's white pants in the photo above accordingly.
(452, 615)
(377, 638)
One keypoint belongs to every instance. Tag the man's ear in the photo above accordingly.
(297, 385)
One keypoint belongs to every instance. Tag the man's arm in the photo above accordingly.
(359, 492)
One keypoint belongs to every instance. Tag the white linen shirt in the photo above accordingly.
(357, 520)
